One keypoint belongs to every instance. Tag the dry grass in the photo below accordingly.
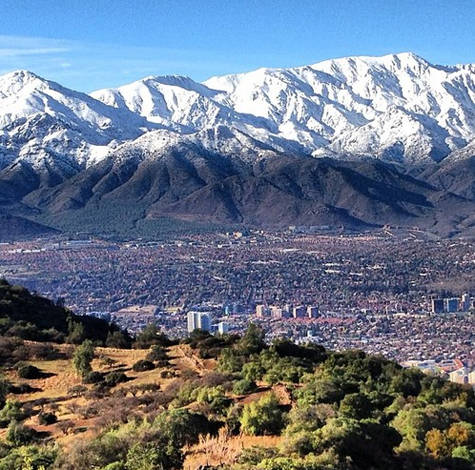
(214, 450)
(55, 388)
(223, 449)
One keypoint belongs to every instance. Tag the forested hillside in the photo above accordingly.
(217, 402)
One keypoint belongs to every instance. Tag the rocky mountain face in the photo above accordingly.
(398, 108)
(355, 142)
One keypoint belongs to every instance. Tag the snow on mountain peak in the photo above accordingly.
(40, 117)
(396, 107)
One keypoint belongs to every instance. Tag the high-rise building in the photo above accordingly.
(465, 304)
(312, 311)
(233, 308)
(276, 311)
(198, 321)
(437, 305)
(287, 311)
(298, 311)
(261, 310)
(451, 305)
(204, 321)
(223, 327)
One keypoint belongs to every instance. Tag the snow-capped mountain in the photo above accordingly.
(46, 124)
(393, 107)
(243, 148)
(182, 105)
(397, 108)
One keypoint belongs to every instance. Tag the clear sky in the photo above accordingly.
(90, 44)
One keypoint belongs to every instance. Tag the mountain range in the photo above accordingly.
(356, 142)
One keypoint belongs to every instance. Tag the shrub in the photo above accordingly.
(27, 371)
(244, 386)
(12, 411)
(117, 339)
(212, 396)
(151, 335)
(43, 351)
(113, 378)
(143, 365)
(31, 457)
(45, 418)
(93, 377)
(262, 417)
(157, 353)
(19, 434)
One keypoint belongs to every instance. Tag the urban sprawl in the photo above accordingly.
(404, 295)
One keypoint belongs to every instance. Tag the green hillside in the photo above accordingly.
(33, 317)
(216, 402)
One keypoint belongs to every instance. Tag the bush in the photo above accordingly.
(12, 411)
(151, 335)
(244, 386)
(19, 434)
(113, 378)
(27, 371)
(214, 397)
(117, 339)
(143, 365)
(262, 417)
(31, 457)
(157, 353)
(47, 418)
(93, 377)
(45, 352)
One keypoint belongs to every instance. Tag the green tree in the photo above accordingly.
(150, 335)
(252, 371)
(253, 340)
(76, 332)
(147, 456)
(83, 357)
(12, 411)
(117, 339)
(19, 434)
(230, 361)
(244, 386)
(262, 416)
(355, 405)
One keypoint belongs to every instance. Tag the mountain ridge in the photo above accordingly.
(240, 148)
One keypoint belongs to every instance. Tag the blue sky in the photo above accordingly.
(90, 44)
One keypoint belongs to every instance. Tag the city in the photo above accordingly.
(395, 293)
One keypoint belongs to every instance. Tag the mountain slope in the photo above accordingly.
(243, 148)
(12, 228)
(33, 317)
(43, 123)
(188, 182)
(396, 107)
